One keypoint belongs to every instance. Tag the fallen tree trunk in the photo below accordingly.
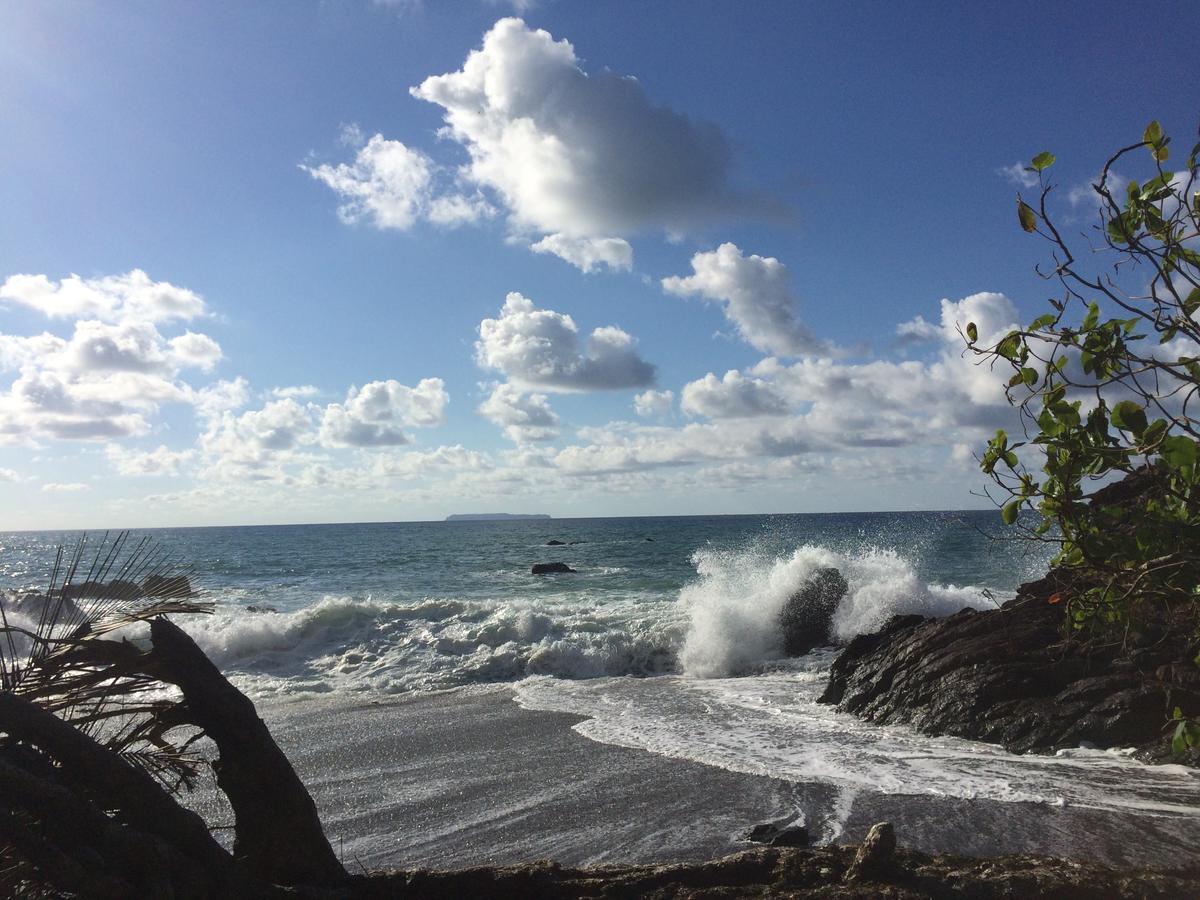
(278, 832)
(92, 770)
(79, 849)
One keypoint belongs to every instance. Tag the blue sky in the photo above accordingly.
(627, 258)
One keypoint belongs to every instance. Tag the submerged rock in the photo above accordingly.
(1015, 676)
(550, 568)
(555, 543)
(806, 618)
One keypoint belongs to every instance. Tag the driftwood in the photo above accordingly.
(278, 833)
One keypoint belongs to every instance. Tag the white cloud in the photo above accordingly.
(133, 296)
(1083, 197)
(916, 330)
(653, 403)
(539, 348)
(385, 185)
(375, 415)
(578, 159)
(216, 398)
(114, 370)
(588, 254)
(295, 391)
(524, 417)
(8, 475)
(833, 414)
(159, 461)
(1018, 174)
(757, 296)
(390, 185)
(73, 487)
(733, 397)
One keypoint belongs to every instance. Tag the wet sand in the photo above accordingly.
(470, 778)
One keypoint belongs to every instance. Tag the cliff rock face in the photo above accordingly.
(1013, 676)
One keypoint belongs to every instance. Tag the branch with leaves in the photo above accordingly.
(1106, 383)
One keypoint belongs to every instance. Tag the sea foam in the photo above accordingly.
(733, 607)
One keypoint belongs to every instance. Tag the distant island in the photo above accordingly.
(492, 517)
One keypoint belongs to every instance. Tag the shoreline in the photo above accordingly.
(469, 777)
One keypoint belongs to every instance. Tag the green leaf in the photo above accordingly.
(1178, 451)
(1192, 303)
(1128, 416)
(1009, 346)
(1153, 133)
(1009, 513)
(1043, 160)
(1048, 319)
(972, 332)
(1092, 317)
(1029, 376)
(1154, 432)
(1026, 216)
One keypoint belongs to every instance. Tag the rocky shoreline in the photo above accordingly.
(836, 871)
(1015, 676)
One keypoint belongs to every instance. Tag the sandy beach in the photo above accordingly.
(469, 777)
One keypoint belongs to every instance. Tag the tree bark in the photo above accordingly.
(278, 832)
(116, 784)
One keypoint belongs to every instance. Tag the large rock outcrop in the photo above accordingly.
(1015, 676)
(806, 618)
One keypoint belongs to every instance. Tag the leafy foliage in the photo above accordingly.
(1106, 383)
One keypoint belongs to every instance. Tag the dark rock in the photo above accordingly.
(806, 618)
(550, 568)
(650, 540)
(874, 857)
(775, 835)
(261, 608)
(117, 588)
(555, 543)
(168, 586)
(573, 543)
(1015, 676)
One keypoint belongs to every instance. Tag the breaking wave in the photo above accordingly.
(734, 605)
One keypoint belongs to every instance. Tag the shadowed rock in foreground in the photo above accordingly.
(793, 872)
(1014, 676)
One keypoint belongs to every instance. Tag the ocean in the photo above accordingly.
(447, 707)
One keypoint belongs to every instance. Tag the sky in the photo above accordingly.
(353, 260)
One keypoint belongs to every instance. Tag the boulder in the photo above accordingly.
(806, 618)
(555, 543)
(550, 568)
(1015, 676)
(774, 834)
(874, 857)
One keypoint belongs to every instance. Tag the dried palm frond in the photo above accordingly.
(59, 649)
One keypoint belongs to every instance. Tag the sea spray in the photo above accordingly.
(343, 643)
(734, 605)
